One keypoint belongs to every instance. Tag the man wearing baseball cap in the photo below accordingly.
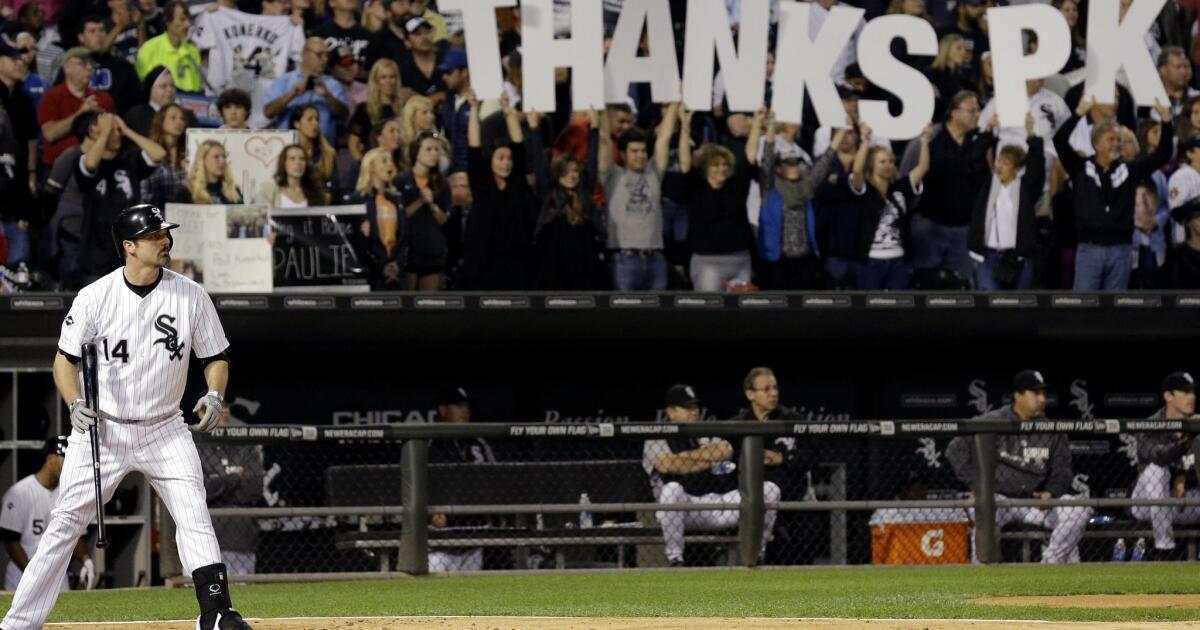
(454, 407)
(1161, 471)
(695, 470)
(26, 512)
(419, 71)
(456, 111)
(1029, 465)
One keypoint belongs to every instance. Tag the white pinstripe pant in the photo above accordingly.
(1154, 482)
(165, 454)
(675, 524)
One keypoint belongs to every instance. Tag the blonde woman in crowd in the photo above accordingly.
(949, 73)
(210, 180)
(385, 228)
(383, 102)
(416, 118)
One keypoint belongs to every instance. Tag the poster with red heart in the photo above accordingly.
(253, 154)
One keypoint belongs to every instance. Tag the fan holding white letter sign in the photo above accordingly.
(803, 59)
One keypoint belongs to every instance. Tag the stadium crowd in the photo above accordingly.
(471, 195)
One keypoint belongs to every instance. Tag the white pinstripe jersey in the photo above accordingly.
(143, 343)
(26, 510)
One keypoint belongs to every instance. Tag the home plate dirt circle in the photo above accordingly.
(608, 623)
(1097, 601)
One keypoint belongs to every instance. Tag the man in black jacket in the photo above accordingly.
(784, 455)
(1161, 468)
(1105, 191)
(1030, 465)
(454, 407)
(940, 225)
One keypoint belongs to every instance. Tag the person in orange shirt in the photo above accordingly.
(385, 228)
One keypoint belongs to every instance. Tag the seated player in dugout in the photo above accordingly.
(1162, 459)
(26, 512)
(1029, 465)
(696, 470)
(454, 407)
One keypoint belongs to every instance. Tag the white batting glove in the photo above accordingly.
(87, 575)
(82, 417)
(209, 409)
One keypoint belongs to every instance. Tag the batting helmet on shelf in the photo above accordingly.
(138, 221)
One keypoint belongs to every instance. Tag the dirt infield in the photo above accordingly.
(1097, 601)
(673, 623)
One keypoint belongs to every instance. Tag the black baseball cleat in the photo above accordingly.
(227, 619)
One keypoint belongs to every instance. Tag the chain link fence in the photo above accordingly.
(438, 498)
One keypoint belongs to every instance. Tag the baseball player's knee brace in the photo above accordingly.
(212, 588)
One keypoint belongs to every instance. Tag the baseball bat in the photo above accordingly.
(91, 397)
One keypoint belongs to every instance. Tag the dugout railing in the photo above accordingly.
(369, 499)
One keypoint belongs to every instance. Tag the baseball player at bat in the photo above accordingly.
(146, 321)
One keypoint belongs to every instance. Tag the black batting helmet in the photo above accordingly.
(138, 221)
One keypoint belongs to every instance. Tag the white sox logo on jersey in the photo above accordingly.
(170, 340)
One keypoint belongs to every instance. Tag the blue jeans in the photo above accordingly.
(18, 243)
(983, 273)
(635, 272)
(839, 272)
(937, 246)
(675, 221)
(1102, 267)
(883, 275)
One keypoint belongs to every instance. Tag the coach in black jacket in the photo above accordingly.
(1029, 465)
(1105, 188)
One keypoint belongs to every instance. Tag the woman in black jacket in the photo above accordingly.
(567, 237)
(498, 243)
(1002, 234)
(950, 73)
(385, 226)
(884, 239)
(425, 194)
(719, 232)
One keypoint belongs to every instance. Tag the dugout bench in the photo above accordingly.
(506, 485)
(1129, 530)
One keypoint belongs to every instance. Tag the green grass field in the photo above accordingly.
(864, 592)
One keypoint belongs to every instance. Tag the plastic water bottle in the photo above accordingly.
(585, 512)
(1119, 551)
(1139, 550)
